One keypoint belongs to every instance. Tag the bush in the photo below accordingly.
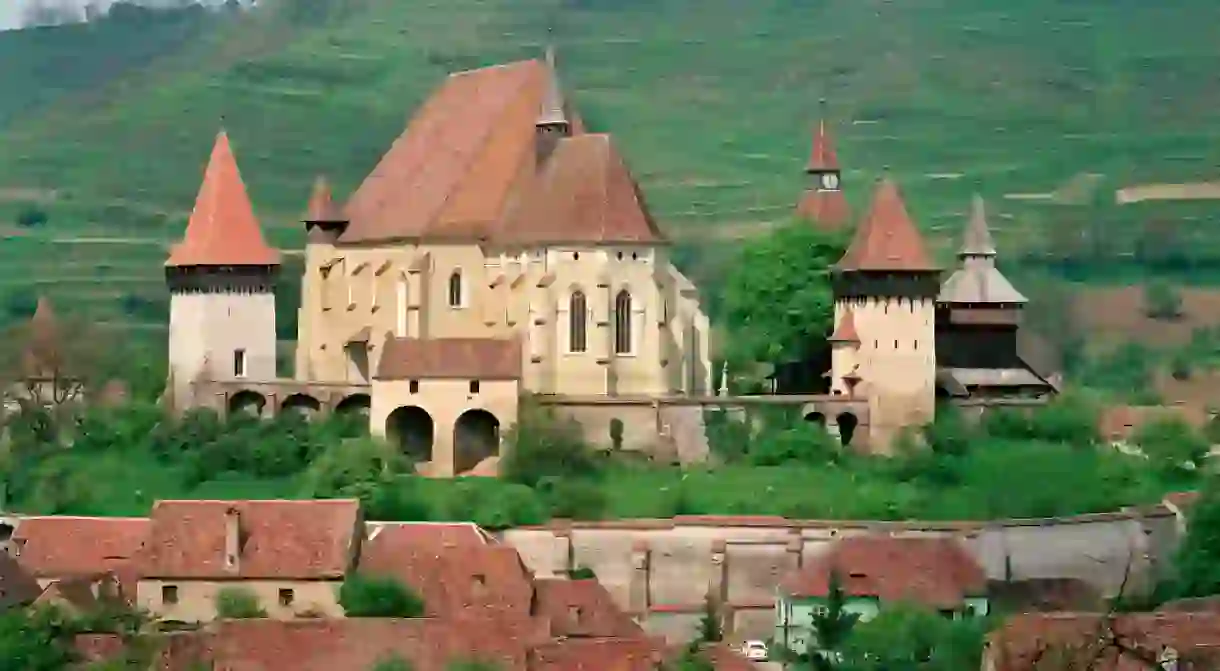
(542, 445)
(1172, 446)
(32, 217)
(1161, 301)
(238, 603)
(377, 596)
(348, 464)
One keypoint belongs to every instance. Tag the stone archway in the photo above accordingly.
(847, 422)
(411, 429)
(247, 403)
(476, 437)
(356, 403)
(303, 405)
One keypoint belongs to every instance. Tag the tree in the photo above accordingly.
(541, 446)
(393, 663)
(832, 628)
(36, 639)
(1161, 301)
(31, 217)
(378, 596)
(1198, 557)
(777, 299)
(709, 625)
(238, 603)
(1174, 447)
(908, 637)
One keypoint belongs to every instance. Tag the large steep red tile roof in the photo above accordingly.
(281, 540)
(223, 230)
(459, 161)
(887, 240)
(360, 643)
(585, 194)
(60, 547)
(456, 579)
(933, 571)
(474, 358)
(582, 608)
(822, 157)
(1126, 642)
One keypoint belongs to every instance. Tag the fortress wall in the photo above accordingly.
(663, 570)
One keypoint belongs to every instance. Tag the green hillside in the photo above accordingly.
(712, 101)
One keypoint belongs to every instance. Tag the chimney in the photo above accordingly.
(232, 539)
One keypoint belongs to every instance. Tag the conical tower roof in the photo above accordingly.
(977, 238)
(223, 230)
(887, 240)
(553, 111)
(322, 207)
(822, 157)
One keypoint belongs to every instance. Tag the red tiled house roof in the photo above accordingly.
(478, 358)
(1105, 643)
(887, 240)
(64, 547)
(223, 230)
(934, 571)
(281, 540)
(582, 608)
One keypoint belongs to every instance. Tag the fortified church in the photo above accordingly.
(499, 251)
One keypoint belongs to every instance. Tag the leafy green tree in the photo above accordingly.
(832, 628)
(542, 445)
(777, 298)
(1172, 446)
(693, 658)
(911, 638)
(36, 639)
(378, 596)
(1198, 557)
(393, 663)
(949, 434)
(32, 217)
(238, 603)
(710, 630)
(352, 462)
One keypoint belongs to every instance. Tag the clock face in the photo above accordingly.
(830, 181)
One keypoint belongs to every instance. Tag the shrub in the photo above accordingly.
(542, 445)
(238, 603)
(378, 596)
(1161, 301)
(1172, 446)
(32, 217)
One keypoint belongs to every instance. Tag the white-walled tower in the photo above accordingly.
(221, 279)
(885, 291)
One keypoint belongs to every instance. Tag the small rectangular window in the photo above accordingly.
(474, 386)
(413, 386)
(286, 597)
(169, 594)
(239, 363)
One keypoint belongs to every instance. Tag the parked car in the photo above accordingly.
(755, 651)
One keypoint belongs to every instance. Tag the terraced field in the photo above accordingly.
(712, 101)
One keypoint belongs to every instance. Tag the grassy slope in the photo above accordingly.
(711, 99)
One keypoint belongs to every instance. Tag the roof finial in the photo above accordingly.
(977, 239)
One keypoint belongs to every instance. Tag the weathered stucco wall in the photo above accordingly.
(663, 570)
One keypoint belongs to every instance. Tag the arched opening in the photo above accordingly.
(302, 404)
(476, 436)
(847, 427)
(616, 434)
(410, 428)
(622, 323)
(817, 418)
(248, 403)
(455, 289)
(356, 403)
(578, 321)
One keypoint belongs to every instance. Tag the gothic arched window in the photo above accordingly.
(622, 323)
(455, 289)
(578, 321)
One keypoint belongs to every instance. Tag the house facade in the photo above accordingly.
(876, 571)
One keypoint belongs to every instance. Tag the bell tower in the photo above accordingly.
(823, 202)
(553, 123)
(221, 278)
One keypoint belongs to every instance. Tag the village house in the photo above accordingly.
(1165, 641)
(76, 551)
(874, 571)
(291, 556)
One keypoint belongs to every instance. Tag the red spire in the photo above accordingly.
(321, 203)
(823, 157)
(223, 230)
(887, 240)
(846, 332)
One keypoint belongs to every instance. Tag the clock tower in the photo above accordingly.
(823, 202)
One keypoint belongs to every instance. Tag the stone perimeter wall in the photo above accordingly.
(661, 571)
